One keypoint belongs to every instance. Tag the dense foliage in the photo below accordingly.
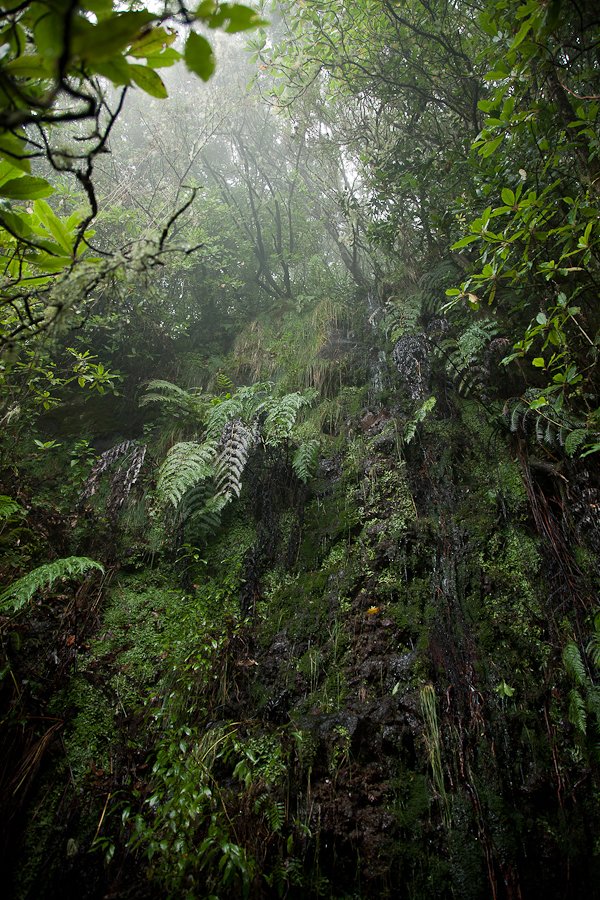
(298, 484)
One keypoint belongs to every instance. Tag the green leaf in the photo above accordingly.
(241, 18)
(162, 60)
(465, 241)
(538, 403)
(31, 65)
(541, 318)
(115, 70)
(101, 8)
(26, 188)
(490, 147)
(504, 689)
(152, 42)
(15, 223)
(508, 197)
(53, 224)
(14, 149)
(48, 31)
(199, 56)
(149, 81)
(522, 33)
(110, 36)
(538, 362)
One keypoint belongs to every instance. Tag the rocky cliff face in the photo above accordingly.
(383, 682)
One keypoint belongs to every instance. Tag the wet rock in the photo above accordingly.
(411, 355)
(399, 665)
(385, 442)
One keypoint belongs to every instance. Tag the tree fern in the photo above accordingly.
(187, 463)
(304, 461)
(21, 591)
(199, 479)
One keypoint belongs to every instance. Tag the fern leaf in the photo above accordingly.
(187, 463)
(515, 417)
(281, 417)
(194, 500)
(220, 414)
(253, 397)
(574, 440)
(577, 711)
(224, 382)
(103, 463)
(174, 399)
(574, 664)
(541, 432)
(237, 441)
(410, 429)
(593, 650)
(8, 507)
(21, 591)
(593, 702)
(207, 520)
(275, 815)
(304, 461)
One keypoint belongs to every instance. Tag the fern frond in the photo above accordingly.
(574, 440)
(467, 363)
(281, 417)
(208, 518)
(275, 815)
(220, 414)
(410, 429)
(574, 664)
(174, 399)
(577, 711)
(8, 507)
(187, 463)
(237, 441)
(516, 416)
(23, 589)
(224, 382)
(304, 461)
(195, 500)
(253, 398)
(593, 702)
(103, 463)
(593, 650)
(540, 431)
